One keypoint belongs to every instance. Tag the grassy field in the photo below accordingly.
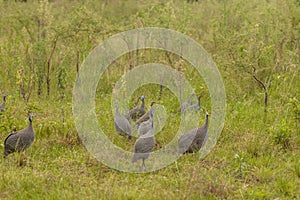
(255, 45)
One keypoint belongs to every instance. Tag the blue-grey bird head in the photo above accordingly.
(31, 115)
(116, 104)
(142, 97)
(206, 113)
(152, 122)
(152, 103)
(199, 97)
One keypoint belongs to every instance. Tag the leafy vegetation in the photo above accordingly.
(256, 47)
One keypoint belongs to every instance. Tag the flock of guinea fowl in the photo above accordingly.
(190, 142)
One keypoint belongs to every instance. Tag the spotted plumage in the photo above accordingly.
(121, 124)
(19, 140)
(194, 139)
(144, 144)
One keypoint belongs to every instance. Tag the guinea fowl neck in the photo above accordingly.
(152, 120)
(30, 122)
(117, 110)
(143, 103)
(199, 97)
(152, 127)
(206, 121)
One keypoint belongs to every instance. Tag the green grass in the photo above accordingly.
(257, 155)
(246, 163)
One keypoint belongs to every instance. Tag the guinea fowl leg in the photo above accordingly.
(143, 165)
(21, 158)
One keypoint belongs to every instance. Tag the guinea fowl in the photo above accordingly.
(138, 111)
(19, 140)
(196, 106)
(144, 144)
(186, 104)
(121, 124)
(194, 139)
(145, 117)
(146, 125)
(2, 105)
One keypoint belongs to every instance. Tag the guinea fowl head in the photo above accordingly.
(142, 97)
(4, 97)
(31, 115)
(206, 121)
(143, 101)
(151, 106)
(152, 103)
(199, 97)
